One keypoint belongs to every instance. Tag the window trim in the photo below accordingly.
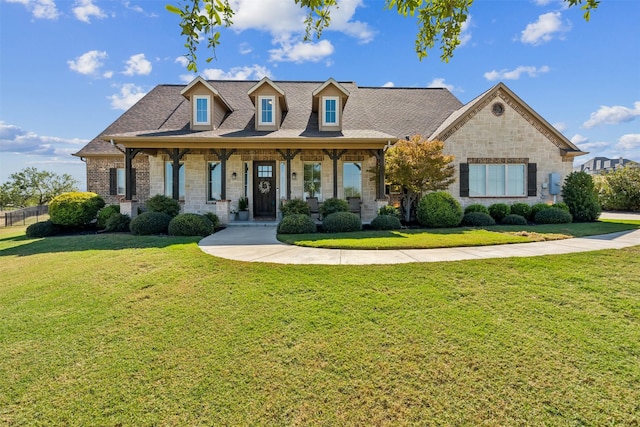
(324, 110)
(273, 110)
(197, 98)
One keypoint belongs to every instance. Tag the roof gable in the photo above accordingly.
(200, 81)
(267, 81)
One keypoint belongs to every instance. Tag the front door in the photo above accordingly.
(264, 190)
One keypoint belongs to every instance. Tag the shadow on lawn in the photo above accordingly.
(88, 242)
(377, 234)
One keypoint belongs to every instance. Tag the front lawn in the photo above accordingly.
(454, 237)
(124, 330)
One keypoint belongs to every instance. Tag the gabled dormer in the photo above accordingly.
(208, 107)
(270, 103)
(329, 100)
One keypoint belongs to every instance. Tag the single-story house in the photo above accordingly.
(209, 143)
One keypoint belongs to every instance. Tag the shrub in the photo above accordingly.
(389, 210)
(105, 213)
(150, 223)
(118, 222)
(499, 211)
(296, 224)
(190, 224)
(477, 219)
(514, 219)
(439, 209)
(553, 216)
(295, 207)
(213, 218)
(522, 209)
(75, 209)
(333, 205)
(561, 205)
(579, 193)
(476, 207)
(386, 222)
(537, 208)
(42, 229)
(620, 189)
(340, 222)
(160, 203)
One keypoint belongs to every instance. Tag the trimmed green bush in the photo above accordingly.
(476, 207)
(213, 218)
(561, 205)
(537, 208)
(160, 203)
(514, 219)
(522, 209)
(579, 193)
(390, 211)
(386, 222)
(297, 224)
(295, 207)
(553, 216)
(75, 209)
(150, 223)
(439, 209)
(190, 224)
(499, 211)
(340, 222)
(619, 189)
(118, 222)
(42, 229)
(333, 205)
(478, 219)
(105, 213)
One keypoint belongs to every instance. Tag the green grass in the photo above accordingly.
(123, 330)
(454, 237)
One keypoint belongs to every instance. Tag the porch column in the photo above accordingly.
(176, 155)
(288, 156)
(129, 154)
(223, 155)
(379, 155)
(335, 156)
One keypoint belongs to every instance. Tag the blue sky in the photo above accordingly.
(69, 68)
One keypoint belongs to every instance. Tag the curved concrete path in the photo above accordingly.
(259, 244)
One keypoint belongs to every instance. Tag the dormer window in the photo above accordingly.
(201, 109)
(265, 110)
(331, 112)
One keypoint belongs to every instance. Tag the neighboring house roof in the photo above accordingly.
(601, 164)
(372, 112)
(458, 118)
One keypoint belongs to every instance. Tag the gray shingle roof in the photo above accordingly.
(369, 113)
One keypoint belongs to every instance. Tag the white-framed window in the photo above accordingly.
(331, 114)
(214, 178)
(266, 113)
(497, 180)
(168, 180)
(313, 180)
(352, 179)
(201, 109)
(120, 182)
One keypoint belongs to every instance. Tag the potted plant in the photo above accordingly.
(243, 208)
(233, 214)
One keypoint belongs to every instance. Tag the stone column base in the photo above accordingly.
(129, 207)
(222, 210)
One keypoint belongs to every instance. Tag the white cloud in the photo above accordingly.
(465, 31)
(41, 9)
(300, 52)
(560, 126)
(341, 21)
(629, 142)
(613, 115)
(388, 84)
(85, 9)
(255, 72)
(127, 4)
(245, 48)
(579, 139)
(595, 146)
(129, 95)
(439, 82)
(138, 65)
(14, 139)
(182, 60)
(542, 2)
(514, 74)
(544, 29)
(89, 63)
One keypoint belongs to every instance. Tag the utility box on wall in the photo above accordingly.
(554, 183)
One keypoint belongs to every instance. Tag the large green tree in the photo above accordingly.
(31, 187)
(438, 21)
(419, 166)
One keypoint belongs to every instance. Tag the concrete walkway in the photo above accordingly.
(259, 244)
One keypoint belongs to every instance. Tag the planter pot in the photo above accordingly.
(233, 217)
(243, 216)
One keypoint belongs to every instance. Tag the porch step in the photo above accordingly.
(252, 224)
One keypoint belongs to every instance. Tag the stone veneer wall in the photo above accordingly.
(509, 135)
(98, 176)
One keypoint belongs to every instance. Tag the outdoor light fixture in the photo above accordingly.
(234, 176)
(293, 176)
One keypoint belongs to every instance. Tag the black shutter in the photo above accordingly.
(133, 181)
(532, 179)
(113, 182)
(464, 179)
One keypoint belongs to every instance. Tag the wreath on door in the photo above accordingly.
(264, 187)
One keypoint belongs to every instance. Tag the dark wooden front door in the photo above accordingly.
(264, 190)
